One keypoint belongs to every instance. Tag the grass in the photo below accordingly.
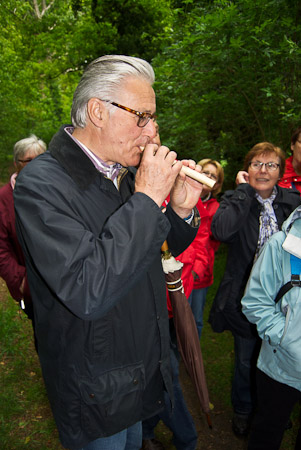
(25, 418)
(217, 348)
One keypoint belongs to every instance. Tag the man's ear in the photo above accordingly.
(97, 111)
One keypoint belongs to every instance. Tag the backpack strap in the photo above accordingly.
(295, 278)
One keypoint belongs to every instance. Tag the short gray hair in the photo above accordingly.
(33, 143)
(102, 79)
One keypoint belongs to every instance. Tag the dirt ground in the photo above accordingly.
(220, 437)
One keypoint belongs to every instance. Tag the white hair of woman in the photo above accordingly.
(32, 143)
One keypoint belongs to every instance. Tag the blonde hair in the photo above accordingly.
(220, 174)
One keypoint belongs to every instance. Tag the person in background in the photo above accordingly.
(247, 217)
(198, 258)
(291, 178)
(278, 325)
(203, 248)
(12, 262)
(91, 227)
(179, 419)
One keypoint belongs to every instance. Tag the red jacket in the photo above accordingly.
(290, 179)
(199, 256)
(12, 264)
(205, 245)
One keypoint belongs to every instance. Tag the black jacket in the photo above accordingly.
(236, 223)
(95, 273)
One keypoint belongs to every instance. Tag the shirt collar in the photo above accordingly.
(110, 171)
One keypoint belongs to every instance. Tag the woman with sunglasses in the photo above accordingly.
(245, 220)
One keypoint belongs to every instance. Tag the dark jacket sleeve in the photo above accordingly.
(181, 233)
(232, 213)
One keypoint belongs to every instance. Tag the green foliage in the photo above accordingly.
(140, 26)
(227, 71)
(44, 47)
(231, 79)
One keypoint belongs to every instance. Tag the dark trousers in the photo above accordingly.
(30, 314)
(275, 402)
(243, 385)
(179, 421)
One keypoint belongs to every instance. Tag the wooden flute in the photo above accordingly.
(200, 177)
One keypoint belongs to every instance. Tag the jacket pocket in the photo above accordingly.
(289, 348)
(113, 399)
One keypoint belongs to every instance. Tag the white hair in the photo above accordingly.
(33, 143)
(102, 79)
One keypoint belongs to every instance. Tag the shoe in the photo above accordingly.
(152, 444)
(240, 424)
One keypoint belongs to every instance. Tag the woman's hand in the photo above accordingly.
(242, 177)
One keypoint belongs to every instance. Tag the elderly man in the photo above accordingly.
(92, 228)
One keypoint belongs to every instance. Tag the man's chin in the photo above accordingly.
(136, 161)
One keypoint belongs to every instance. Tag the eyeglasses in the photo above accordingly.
(25, 161)
(210, 175)
(143, 117)
(270, 166)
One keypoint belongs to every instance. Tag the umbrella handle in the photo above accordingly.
(164, 247)
(165, 251)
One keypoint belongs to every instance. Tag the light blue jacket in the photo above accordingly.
(278, 325)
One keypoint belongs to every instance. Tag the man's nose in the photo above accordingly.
(150, 129)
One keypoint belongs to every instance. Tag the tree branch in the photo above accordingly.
(45, 8)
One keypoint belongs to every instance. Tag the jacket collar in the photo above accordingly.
(292, 242)
(71, 157)
(76, 163)
(289, 170)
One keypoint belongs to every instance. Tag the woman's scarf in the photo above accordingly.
(267, 220)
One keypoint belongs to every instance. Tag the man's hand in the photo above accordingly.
(157, 172)
(186, 191)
